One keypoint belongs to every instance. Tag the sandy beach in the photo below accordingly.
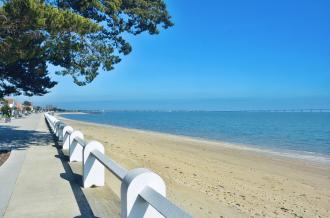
(214, 179)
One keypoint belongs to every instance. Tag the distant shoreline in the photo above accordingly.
(78, 112)
(229, 111)
(311, 157)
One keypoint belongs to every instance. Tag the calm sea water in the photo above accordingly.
(302, 132)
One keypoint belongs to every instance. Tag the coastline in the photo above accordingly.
(59, 114)
(310, 157)
(214, 179)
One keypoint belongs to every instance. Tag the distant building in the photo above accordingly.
(11, 102)
(17, 107)
(28, 104)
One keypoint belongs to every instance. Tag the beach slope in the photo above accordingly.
(215, 179)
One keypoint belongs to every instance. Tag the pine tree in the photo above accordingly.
(79, 37)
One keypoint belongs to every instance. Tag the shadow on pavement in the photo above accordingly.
(75, 181)
(14, 138)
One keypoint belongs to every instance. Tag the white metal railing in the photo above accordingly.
(143, 192)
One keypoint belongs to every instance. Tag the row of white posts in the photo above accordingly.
(143, 192)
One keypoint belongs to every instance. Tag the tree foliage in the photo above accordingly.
(78, 36)
(28, 109)
(5, 110)
(27, 103)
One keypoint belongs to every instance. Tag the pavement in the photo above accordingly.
(38, 181)
(15, 137)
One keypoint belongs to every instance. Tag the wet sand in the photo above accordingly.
(215, 179)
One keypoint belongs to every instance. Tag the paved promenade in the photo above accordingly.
(37, 180)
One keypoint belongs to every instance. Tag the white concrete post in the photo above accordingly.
(93, 170)
(133, 183)
(51, 124)
(60, 132)
(56, 127)
(60, 127)
(75, 149)
(66, 137)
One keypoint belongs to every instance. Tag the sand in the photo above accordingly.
(215, 179)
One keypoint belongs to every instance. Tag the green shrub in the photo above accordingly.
(6, 111)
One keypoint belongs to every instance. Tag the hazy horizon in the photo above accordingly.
(215, 104)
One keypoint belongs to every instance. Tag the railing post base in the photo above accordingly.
(58, 129)
(75, 150)
(93, 170)
(66, 137)
(133, 183)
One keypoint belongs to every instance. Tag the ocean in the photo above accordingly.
(306, 133)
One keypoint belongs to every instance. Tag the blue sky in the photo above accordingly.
(220, 54)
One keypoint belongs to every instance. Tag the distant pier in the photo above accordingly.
(290, 110)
